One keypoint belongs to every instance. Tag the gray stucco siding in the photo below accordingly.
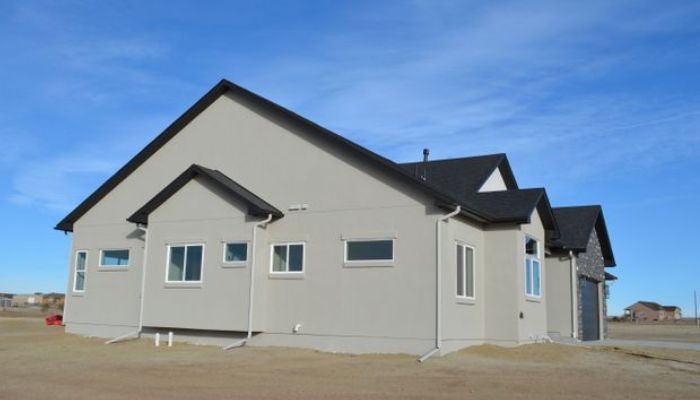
(345, 197)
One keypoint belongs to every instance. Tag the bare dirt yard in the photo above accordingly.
(683, 331)
(41, 362)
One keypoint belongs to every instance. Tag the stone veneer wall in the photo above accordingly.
(591, 265)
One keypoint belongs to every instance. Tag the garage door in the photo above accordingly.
(589, 309)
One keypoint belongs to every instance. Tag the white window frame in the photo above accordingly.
(236, 263)
(184, 267)
(288, 244)
(114, 266)
(84, 271)
(530, 291)
(366, 262)
(464, 274)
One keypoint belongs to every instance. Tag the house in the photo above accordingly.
(26, 300)
(651, 311)
(244, 223)
(5, 300)
(576, 274)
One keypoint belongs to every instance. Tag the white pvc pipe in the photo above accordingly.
(170, 339)
(157, 339)
(251, 289)
(438, 284)
(574, 296)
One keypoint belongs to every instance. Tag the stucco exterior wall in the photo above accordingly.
(494, 182)
(559, 300)
(346, 198)
(533, 325)
(463, 319)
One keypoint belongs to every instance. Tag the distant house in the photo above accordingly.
(25, 300)
(650, 311)
(5, 300)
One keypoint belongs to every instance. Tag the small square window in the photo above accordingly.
(236, 253)
(531, 247)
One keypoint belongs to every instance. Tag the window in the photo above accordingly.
(288, 257)
(532, 267)
(369, 250)
(185, 263)
(465, 271)
(80, 269)
(235, 253)
(114, 258)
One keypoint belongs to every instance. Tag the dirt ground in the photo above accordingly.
(685, 331)
(42, 362)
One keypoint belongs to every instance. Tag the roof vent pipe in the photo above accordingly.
(424, 171)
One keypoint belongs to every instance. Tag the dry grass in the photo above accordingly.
(43, 362)
(681, 332)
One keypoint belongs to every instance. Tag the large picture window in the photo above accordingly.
(465, 271)
(287, 257)
(114, 258)
(369, 250)
(80, 271)
(533, 267)
(185, 263)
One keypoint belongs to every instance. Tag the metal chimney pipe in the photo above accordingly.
(426, 153)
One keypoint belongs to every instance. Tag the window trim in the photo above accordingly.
(465, 297)
(184, 267)
(112, 267)
(75, 271)
(365, 263)
(235, 263)
(288, 244)
(530, 292)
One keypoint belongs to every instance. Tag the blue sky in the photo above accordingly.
(599, 102)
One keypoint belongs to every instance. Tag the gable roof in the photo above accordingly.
(648, 304)
(269, 108)
(575, 227)
(463, 176)
(256, 205)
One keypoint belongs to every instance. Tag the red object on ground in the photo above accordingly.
(54, 320)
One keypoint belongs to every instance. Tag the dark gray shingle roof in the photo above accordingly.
(575, 227)
(462, 177)
(256, 205)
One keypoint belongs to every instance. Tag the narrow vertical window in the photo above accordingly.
(465, 271)
(80, 270)
(532, 268)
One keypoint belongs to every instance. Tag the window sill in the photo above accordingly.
(364, 264)
(183, 285)
(533, 299)
(466, 301)
(235, 265)
(286, 275)
(112, 269)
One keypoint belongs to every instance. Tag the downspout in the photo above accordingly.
(137, 333)
(438, 283)
(574, 296)
(251, 289)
